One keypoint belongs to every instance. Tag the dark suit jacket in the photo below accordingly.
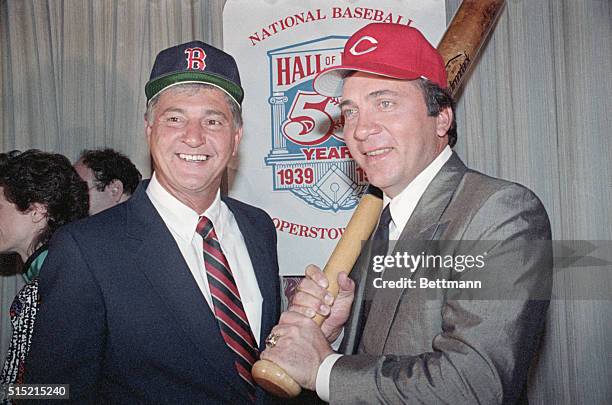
(122, 319)
(458, 346)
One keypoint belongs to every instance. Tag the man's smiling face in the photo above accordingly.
(191, 137)
(388, 131)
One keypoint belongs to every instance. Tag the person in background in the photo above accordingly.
(39, 192)
(111, 177)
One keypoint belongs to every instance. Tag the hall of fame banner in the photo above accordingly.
(293, 162)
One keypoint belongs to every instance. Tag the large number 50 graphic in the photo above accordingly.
(311, 119)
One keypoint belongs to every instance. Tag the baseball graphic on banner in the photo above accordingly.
(293, 162)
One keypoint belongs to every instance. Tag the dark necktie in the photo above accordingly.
(381, 235)
(380, 246)
(232, 319)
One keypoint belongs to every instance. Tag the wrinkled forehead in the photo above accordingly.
(190, 89)
(360, 82)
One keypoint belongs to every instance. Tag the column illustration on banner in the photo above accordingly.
(308, 156)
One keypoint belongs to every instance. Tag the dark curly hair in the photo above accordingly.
(108, 165)
(45, 178)
(437, 99)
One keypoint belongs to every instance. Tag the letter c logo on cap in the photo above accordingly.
(373, 45)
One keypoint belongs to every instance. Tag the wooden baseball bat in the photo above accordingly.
(459, 48)
(465, 36)
(272, 377)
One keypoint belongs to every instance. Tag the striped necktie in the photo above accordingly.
(232, 319)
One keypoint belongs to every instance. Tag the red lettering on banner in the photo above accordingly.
(289, 21)
(283, 71)
(312, 70)
(304, 17)
(293, 68)
(308, 153)
(368, 14)
(341, 152)
(298, 70)
(305, 231)
(265, 34)
(195, 58)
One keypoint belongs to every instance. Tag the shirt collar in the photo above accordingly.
(404, 203)
(217, 215)
(34, 263)
(180, 218)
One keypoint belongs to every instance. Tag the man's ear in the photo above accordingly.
(148, 130)
(237, 139)
(116, 189)
(444, 120)
(38, 212)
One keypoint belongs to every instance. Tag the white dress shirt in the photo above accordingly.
(182, 222)
(402, 207)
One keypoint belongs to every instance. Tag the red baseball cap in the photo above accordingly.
(385, 49)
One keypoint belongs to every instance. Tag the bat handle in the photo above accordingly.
(275, 380)
(271, 376)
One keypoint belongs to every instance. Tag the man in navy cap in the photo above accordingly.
(165, 298)
(434, 327)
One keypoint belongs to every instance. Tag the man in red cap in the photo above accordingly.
(428, 325)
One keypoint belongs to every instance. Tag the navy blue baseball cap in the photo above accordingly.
(195, 62)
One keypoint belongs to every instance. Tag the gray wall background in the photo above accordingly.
(536, 110)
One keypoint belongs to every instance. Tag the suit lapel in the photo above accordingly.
(162, 263)
(422, 227)
(260, 259)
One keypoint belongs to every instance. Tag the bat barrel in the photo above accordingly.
(465, 36)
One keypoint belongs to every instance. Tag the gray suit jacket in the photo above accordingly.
(453, 345)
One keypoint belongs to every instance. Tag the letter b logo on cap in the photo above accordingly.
(195, 58)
